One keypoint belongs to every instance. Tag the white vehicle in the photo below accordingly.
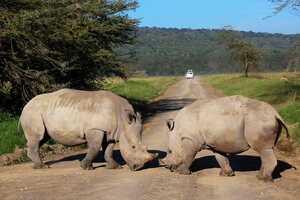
(189, 74)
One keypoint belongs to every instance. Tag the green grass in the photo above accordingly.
(9, 136)
(140, 89)
(135, 89)
(283, 95)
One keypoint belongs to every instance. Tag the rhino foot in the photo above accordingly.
(264, 178)
(40, 166)
(184, 172)
(113, 166)
(228, 173)
(86, 165)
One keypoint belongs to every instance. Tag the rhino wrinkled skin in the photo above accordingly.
(227, 125)
(73, 117)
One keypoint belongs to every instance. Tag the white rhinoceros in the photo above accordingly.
(227, 125)
(73, 117)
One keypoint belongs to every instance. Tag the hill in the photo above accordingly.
(171, 51)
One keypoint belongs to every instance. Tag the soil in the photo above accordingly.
(66, 180)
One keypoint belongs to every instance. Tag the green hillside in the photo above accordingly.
(170, 51)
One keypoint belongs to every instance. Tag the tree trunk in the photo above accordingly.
(246, 66)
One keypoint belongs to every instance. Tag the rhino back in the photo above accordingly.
(68, 114)
(218, 122)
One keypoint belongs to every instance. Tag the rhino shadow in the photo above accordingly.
(155, 162)
(239, 163)
(116, 155)
(99, 159)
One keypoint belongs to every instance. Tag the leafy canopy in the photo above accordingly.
(282, 4)
(47, 44)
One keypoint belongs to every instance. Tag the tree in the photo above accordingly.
(46, 44)
(295, 51)
(241, 50)
(282, 4)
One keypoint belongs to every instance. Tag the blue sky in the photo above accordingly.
(244, 15)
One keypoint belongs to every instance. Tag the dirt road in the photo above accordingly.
(65, 179)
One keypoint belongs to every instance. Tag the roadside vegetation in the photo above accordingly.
(282, 90)
(134, 89)
(9, 136)
(139, 89)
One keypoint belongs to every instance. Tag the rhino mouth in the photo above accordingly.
(137, 167)
(169, 164)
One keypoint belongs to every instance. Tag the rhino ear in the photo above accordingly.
(171, 124)
(130, 116)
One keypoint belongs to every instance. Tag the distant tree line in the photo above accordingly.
(171, 51)
(48, 44)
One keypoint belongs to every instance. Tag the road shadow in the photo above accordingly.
(164, 105)
(241, 163)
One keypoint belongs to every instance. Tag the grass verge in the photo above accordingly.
(9, 136)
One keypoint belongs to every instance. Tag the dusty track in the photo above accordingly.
(65, 179)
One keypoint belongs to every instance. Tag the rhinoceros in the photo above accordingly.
(73, 117)
(227, 125)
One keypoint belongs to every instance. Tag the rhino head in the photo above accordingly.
(174, 156)
(132, 150)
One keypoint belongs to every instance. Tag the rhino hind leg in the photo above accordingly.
(34, 131)
(223, 161)
(94, 140)
(268, 164)
(34, 154)
(108, 156)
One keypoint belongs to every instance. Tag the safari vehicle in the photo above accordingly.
(189, 74)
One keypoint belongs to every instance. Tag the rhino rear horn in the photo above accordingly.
(139, 116)
(171, 124)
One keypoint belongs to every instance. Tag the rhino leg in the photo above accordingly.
(223, 161)
(190, 150)
(34, 154)
(34, 131)
(269, 163)
(108, 156)
(94, 140)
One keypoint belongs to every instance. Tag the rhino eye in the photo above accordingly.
(169, 151)
(133, 146)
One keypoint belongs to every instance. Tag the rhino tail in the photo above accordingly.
(282, 124)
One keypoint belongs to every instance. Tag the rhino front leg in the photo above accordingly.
(223, 161)
(190, 150)
(94, 140)
(108, 156)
